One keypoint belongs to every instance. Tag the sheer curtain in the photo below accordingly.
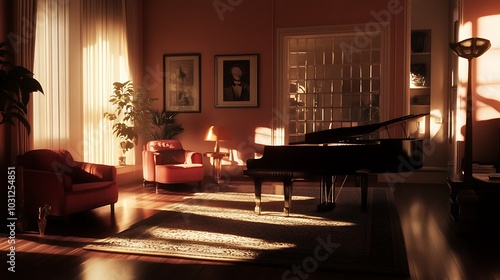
(81, 51)
(104, 61)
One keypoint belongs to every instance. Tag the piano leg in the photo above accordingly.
(322, 190)
(362, 181)
(287, 187)
(258, 194)
(327, 194)
(285, 177)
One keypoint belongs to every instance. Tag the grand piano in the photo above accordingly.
(324, 155)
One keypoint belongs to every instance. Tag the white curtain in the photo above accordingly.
(105, 61)
(81, 51)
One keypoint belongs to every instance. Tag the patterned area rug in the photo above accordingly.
(222, 226)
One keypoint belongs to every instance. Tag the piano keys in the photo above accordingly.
(334, 152)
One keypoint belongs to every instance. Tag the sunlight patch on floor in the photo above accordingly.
(228, 240)
(206, 206)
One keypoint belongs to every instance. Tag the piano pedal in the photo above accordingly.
(325, 207)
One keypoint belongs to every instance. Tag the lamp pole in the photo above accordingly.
(468, 128)
(469, 49)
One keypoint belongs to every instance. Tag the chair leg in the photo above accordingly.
(146, 182)
(112, 214)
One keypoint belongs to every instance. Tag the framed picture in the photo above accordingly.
(237, 80)
(182, 82)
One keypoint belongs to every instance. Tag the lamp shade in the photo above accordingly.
(471, 48)
(217, 133)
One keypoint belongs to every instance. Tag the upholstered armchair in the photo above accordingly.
(166, 162)
(54, 178)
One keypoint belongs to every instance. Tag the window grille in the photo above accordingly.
(334, 81)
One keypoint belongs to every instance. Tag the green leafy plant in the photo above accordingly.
(131, 116)
(165, 125)
(16, 85)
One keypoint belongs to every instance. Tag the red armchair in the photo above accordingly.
(53, 177)
(166, 162)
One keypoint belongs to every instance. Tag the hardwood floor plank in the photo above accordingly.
(437, 247)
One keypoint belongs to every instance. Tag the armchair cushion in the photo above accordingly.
(79, 176)
(170, 156)
(90, 186)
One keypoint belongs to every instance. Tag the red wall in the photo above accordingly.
(248, 27)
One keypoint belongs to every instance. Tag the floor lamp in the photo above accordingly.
(469, 49)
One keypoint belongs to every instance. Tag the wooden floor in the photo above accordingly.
(437, 248)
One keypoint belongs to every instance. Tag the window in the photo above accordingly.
(80, 52)
(331, 80)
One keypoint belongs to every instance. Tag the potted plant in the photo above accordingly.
(132, 110)
(16, 85)
(165, 126)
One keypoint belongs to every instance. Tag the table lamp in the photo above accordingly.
(217, 133)
(469, 49)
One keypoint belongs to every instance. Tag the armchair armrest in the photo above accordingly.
(193, 157)
(105, 172)
(157, 158)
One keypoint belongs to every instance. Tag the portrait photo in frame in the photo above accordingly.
(237, 80)
(182, 82)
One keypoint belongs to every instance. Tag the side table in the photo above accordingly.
(216, 165)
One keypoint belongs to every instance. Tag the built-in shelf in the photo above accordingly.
(419, 87)
(420, 82)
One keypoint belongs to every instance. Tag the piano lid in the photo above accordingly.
(343, 133)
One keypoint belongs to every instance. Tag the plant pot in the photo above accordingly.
(122, 160)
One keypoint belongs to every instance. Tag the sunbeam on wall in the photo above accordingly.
(485, 88)
(486, 80)
(487, 105)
